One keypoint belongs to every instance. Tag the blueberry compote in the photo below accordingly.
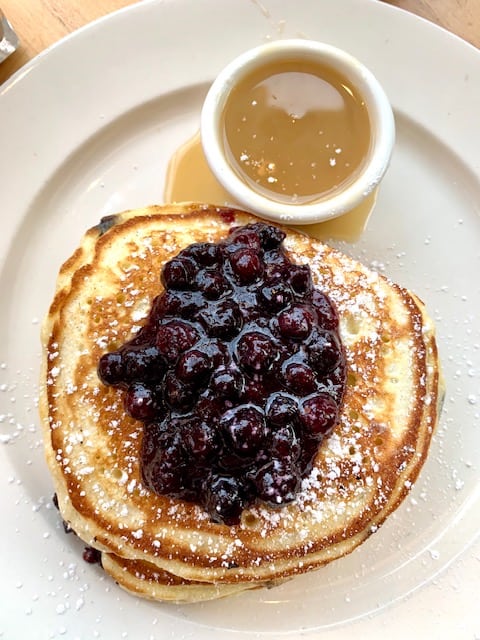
(237, 375)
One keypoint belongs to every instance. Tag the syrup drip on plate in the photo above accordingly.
(189, 179)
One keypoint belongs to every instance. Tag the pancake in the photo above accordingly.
(361, 473)
(148, 581)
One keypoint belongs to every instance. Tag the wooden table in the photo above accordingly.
(39, 23)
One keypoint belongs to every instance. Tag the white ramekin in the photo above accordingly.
(336, 203)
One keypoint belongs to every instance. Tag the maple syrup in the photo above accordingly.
(189, 178)
(296, 131)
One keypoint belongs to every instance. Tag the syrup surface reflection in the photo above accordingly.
(189, 179)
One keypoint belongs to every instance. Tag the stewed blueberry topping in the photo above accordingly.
(238, 374)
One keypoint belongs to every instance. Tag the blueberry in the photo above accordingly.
(270, 237)
(301, 279)
(275, 297)
(181, 304)
(165, 304)
(110, 368)
(175, 337)
(277, 265)
(203, 253)
(227, 383)
(143, 363)
(246, 265)
(324, 351)
(299, 377)
(282, 410)
(200, 439)
(256, 351)
(319, 414)
(165, 473)
(177, 394)
(296, 321)
(222, 319)
(244, 429)
(243, 238)
(140, 402)
(254, 390)
(285, 444)
(224, 499)
(326, 313)
(92, 556)
(178, 274)
(193, 366)
(278, 482)
(211, 283)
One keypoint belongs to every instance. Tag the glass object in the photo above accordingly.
(8, 38)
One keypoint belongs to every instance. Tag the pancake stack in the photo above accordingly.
(166, 548)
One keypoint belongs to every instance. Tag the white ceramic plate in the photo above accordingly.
(87, 129)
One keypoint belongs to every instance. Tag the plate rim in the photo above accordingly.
(22, 77)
